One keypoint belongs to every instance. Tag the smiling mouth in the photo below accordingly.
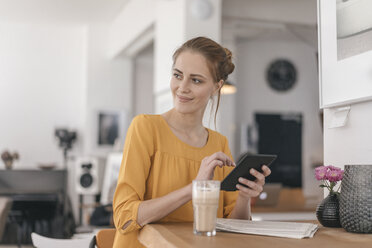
(183, 99)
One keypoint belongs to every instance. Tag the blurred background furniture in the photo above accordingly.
(39, 205)
(40, 241)
(5, 205)
(291, 206)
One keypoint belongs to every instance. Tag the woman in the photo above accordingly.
(164, 153)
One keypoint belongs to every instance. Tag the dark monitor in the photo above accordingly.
(281, 134)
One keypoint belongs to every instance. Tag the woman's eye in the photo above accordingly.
(176, 75)
(197, 81)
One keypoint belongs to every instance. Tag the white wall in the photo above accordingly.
(254, 94)
(42, 87)
(350, 144)
(57, 76)
(135, 18)
(288, 11)
(143, 82)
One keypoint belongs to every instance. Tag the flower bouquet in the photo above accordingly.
(329, 175)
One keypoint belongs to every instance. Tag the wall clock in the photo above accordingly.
(281, 75)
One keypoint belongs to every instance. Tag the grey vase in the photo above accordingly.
(327, 211)
(356, 199)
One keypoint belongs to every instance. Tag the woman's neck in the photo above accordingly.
(188, 123)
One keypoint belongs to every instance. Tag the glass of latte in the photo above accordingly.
(205, 196)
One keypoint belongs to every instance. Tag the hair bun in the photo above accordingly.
(228, 66)
(228, 53)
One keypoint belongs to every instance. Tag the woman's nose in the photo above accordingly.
(184, 85)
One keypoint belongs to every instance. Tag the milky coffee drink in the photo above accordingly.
(205, 197)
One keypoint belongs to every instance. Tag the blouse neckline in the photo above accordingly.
(182, 142)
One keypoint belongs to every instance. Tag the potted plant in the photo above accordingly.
(328, 212)
(8, 159)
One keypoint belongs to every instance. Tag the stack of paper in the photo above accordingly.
(268, 228)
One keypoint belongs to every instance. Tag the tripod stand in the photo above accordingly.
(66, 139)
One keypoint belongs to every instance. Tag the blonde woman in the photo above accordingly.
(164, 153)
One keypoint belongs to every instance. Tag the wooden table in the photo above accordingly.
(181, 235)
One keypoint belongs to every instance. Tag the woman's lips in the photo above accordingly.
(183, 98)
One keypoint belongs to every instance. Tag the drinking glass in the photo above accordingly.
(205, 198)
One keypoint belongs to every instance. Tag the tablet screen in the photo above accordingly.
(243, 167)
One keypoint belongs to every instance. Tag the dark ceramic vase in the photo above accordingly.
(356, 199)
(327, 211)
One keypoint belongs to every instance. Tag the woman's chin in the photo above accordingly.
(183, 109)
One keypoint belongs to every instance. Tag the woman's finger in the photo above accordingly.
(222, 157)
(250, 184)
(247, 191)
(215, 163)
(259, 176)
(266, 170)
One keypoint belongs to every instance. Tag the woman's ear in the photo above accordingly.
(218, 86)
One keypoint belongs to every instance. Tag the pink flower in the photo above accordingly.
(334, 175)
(329, 175)
(321, 172)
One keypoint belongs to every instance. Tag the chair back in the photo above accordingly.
(44, 242)
(105, 238)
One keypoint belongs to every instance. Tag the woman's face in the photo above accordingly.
(192, 84)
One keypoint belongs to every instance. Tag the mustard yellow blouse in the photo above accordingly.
(155, 162)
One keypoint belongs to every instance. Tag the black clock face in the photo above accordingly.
(281, 75)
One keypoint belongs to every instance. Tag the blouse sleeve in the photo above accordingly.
(134, 170)
(229, 197)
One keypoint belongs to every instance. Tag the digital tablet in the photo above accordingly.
(247, 162)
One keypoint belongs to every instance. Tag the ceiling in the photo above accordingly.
(60, 11)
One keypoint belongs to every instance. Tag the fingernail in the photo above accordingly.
(252, 170)
(240, 179)
(238, 186)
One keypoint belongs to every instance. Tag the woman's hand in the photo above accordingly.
(254, 187)
(208, 164)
